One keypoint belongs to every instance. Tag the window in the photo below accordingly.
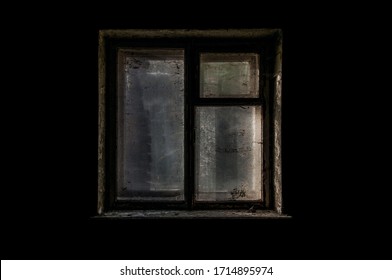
(189, 120)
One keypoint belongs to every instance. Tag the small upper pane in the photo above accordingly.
(229, 75)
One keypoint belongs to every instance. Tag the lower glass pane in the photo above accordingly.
(228, 153)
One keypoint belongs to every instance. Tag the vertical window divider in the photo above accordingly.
(191, 82)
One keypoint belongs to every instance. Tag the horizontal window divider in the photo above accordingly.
(228, 102)
(153, 205)
(215, 205)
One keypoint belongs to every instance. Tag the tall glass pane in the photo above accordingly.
(228, 153)
(229, 75)
(150, 132)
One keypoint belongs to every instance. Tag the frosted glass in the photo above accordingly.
(229, 75)
(228, 153)
(151, 125)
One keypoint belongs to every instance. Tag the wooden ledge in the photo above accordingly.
(196, 214)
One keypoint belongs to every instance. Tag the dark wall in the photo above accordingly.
(53, 194)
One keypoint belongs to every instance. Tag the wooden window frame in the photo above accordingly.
(266, 42)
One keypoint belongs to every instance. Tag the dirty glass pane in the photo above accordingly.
(228, 153)
(150, 145)
(229, 75)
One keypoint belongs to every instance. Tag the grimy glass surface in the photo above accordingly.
(150, 132)
(228, 153)
(234, 75)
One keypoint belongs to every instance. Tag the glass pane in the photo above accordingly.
(228, 153)
(229, 75)
(150, 148)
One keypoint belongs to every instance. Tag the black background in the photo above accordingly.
(333, 139)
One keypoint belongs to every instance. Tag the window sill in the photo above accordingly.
(197, 214)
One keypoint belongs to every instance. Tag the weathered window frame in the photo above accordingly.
(202, 40)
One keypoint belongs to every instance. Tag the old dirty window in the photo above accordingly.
(189, 120)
